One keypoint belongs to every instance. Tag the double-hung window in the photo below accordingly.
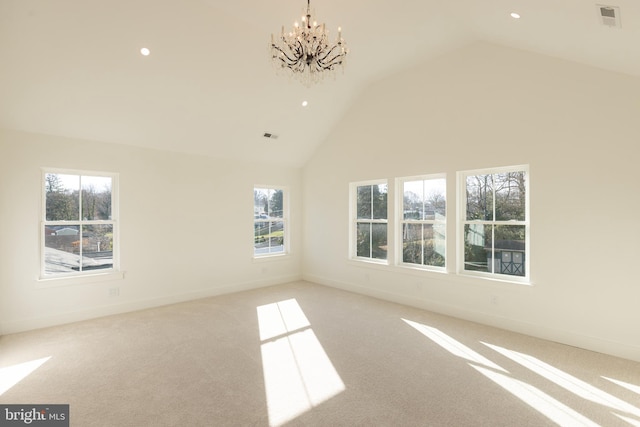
(369, 220)
(423, 226)
(494, 226)
(270, 231)
(79, 223)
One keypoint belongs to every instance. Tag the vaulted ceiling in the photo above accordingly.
(73, 67)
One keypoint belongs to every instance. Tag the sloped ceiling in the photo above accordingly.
(73, 68)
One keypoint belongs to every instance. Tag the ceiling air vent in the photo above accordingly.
(270, 135)
(609, 15)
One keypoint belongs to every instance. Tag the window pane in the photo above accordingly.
(412, 243)
(412, 200)
(477, 247)
(379, 201)
(261, 237)
(435, 205)
(510, 196)
(62, 197)
(434, 245)
(96, 197)
(364, 202)
(424, 244)
(268, 237)
(260, 203)
(61, 249)
(510, 249)
(97, 247)
(480, 197)
(275, 204)
(379, 241)
(276, 236)
(363, 240)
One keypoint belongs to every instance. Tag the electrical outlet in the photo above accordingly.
(493, 299)
(114, 292)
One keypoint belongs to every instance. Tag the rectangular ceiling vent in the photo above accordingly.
(270, 135)
(609, 15)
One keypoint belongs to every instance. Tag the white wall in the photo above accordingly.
(186, 229)
(186, 221)
(484, 106)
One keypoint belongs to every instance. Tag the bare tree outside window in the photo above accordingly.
(495, 225)
(78, 227)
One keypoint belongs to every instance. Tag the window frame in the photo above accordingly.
(462, 221)
(284, 220)
(401, 221)
(354, 221)
(114, 270)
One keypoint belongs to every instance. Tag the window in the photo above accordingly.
(369, 220)
(495, 222)
(79, 223)
(270, 221)
(423, 225)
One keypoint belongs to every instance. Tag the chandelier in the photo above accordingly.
(306, 53)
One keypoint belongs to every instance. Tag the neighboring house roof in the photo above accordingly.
(67, 232)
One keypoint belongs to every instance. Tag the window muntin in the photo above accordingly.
(369, 225)
(79, 226)
(495, 223)
(270, 222)
(423, 222)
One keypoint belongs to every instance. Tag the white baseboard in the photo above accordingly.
(574, 339)
(28, 324)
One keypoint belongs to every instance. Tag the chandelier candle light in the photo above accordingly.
(306, 52)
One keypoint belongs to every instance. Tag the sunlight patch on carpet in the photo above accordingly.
(452, 346)
(567, 381)
(280, 318)
(538, 400)
(12, 375)
(634, 423)
(298, 374)
(632, 387)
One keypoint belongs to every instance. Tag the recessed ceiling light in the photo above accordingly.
(305, 103)
(515, 15)
(144, 51)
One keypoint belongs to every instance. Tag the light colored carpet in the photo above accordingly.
(306, 355)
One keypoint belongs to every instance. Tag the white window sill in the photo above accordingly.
(369, 262)
(515, 280)
(84, 279)
(459, 277)
(272, 257)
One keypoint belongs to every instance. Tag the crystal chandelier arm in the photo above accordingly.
(321, 56)
(336, 60)
(285, 58)
(333, 61)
